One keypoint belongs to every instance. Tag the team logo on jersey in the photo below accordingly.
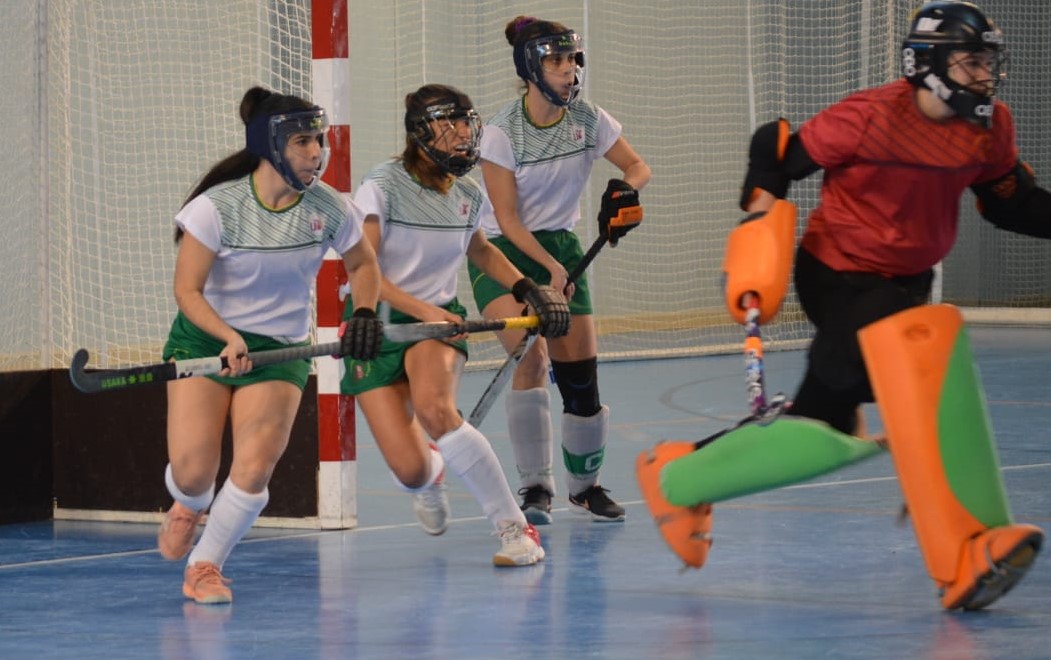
(317, 225)
(463, 209)
(576, 133)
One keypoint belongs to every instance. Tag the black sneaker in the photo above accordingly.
(594, 502)
(536, 504)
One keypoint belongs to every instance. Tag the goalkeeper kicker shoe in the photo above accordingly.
(594, 502)
(991, 564)
(686, 530)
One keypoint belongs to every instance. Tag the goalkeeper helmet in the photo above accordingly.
(268, 135)
(448, 107)
(529, 55)
(939, 29)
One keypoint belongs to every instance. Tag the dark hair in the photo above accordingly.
(416, 163)
(255, 101)
(524, 28)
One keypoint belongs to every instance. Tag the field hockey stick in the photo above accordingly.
(755, 375)
(762, 411)
(114, 379)
(503, 374)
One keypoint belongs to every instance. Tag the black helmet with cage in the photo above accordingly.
(938, 29)
(446, 106)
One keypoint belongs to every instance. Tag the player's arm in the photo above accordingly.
(363, 272)
(361, 336)
(491, 260)
(634, 170)
(776, 157)
(758, 260)
(620, 210)
(547, 303)
(1014, 202)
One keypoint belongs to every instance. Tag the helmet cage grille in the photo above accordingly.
(449, 112)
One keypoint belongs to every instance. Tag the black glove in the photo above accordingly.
(362, 336)
(547, 303)
(620, 211)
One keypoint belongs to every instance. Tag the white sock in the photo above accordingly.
(584, 446)
(233, 513)
(434, 473)
(529, 427)
(194, 503)
(470, 456)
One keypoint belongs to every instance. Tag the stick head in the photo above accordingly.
(76, 371)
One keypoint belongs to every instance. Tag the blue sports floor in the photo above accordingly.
(819, 570)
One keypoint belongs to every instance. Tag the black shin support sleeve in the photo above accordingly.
(578, 383)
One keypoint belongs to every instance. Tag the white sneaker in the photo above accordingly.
(431, 507)
(519, 545)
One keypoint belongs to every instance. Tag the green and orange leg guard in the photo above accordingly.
(930, 398)
(686, 529)
(680, 480)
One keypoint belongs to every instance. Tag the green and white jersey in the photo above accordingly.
(423, 233)
(551, 163)
(266, 261)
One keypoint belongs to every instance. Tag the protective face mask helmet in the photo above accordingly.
(268, 135)
(937, 30)
(447, 113)
(529, 57)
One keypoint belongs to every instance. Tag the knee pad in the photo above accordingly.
(578, 384)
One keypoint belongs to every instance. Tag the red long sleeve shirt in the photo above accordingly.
(893, 179)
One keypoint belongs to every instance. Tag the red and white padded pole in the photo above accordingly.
(337, 444)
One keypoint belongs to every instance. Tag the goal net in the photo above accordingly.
(130, 101)
(689, 82)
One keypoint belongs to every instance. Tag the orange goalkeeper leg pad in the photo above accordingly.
(929, 395)
(686, 530)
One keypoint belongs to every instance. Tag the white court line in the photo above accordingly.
(825, 484)
(275, 537)
(381, 528)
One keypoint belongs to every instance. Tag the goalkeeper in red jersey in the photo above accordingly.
(896, 160)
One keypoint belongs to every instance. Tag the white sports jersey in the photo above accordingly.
(551, 163)
(423, 233)
(266, 262)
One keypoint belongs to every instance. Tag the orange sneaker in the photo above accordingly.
(992, 563)
(687, 530)
(206, 585)
(176, 533)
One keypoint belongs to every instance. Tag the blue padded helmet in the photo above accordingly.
(267, 136)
